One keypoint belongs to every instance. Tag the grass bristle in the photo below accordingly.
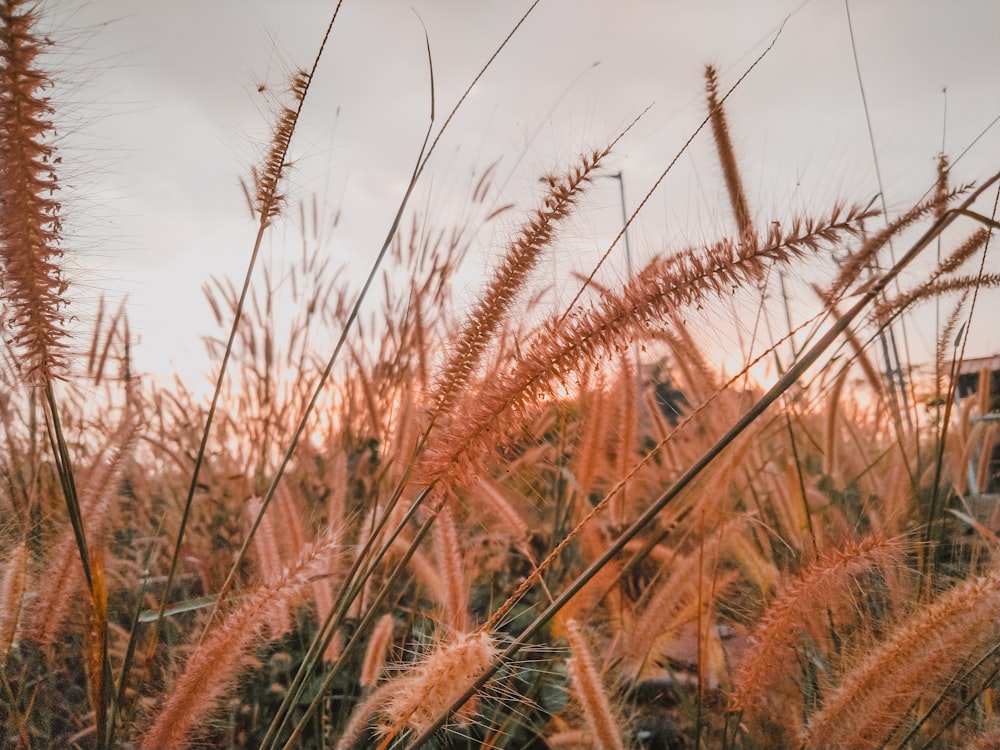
(590, 691)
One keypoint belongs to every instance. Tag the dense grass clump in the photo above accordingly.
(496, 529)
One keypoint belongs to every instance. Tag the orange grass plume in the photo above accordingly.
(32, 286)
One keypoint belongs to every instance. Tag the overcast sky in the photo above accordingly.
(164, 97)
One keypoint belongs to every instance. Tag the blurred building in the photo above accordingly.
(979, 380)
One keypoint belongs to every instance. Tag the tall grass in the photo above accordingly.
(422, 526)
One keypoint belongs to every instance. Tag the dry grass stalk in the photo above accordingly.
(851, 270)
(627, 438)
(603, 588)
(830, 441)
(62, 579)
(983, 391)
(216, 663)
(376, 651)
(700, 378)
(13, 583)
(763, 681)
(664, 286)
(450, 563)
(269, 561)
(509, 279)
(323, 586)
(920, 657)
(986, 457)
(790, 505)
(946, 340)
(583, 526)
(265, 544)
(874, 379)
(967, 441)
(672, 601)
(491, 494)
(322, 596)
(339, 485)
(753, 561)
(293, 534)
(98, 680)
(31, 281)
(590, 692)
(426, 690)
(424, 568)
(357, 726)
(659, 424)
(727, 156)
(589, 454)
(570, 739)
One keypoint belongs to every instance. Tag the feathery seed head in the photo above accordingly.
(590, 692)
(216, 662)
(510, 277)
(13, 583)
(649, 299)
(32, 287)
(727, 155)
(416, 699)
(266, 179)
(807, 599)
(918, 659)
(378, 646)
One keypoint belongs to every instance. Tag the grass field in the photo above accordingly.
(546, 519)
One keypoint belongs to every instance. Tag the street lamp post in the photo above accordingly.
(621, 194)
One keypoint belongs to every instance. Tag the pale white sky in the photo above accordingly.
(169, 119)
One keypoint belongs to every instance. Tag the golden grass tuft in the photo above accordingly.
(61, 581)
(418, 697)
(763, 682)
(217, 661)
(509, 278)
(664, 286)
(671, 601)
(590, 692)
(919, 658)
(376, 651)
(727, 155)
(13, 584)
(451, 565)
